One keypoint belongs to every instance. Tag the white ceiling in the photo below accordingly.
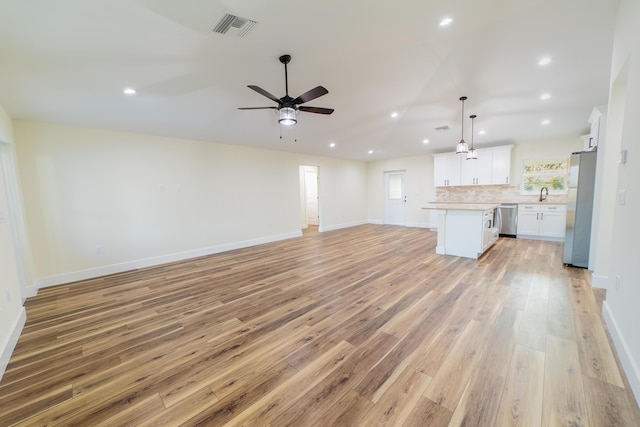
(67, 61)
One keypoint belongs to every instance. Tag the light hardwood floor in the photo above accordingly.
(357, 327)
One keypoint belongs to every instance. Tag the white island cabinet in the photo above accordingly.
(465, 229)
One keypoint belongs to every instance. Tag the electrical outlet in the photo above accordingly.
(622, 197)
(99, 249)
(618, 283)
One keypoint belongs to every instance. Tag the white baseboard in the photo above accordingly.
(549, 239)
(629, 365)
(599, 281)
(91, 273)
(418, 224)
(340, 226)
(10, 342)
(408, 224)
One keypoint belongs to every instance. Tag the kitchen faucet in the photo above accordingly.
(546, 193)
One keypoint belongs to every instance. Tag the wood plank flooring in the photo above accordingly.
(363, 326)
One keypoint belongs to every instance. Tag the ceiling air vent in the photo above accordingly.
(234, 26)
(443, 128)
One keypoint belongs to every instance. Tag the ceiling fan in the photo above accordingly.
(288, 107)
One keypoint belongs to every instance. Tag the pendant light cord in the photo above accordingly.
(462, 119)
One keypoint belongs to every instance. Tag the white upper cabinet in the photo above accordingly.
(446, 169)
(597, 120)
(492, 167)
(478, 171)
(501, 172)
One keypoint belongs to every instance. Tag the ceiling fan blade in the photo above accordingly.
(317, 110)
(264, 93)
(314, 93)
(257, 108)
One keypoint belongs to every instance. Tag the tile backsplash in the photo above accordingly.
(491, 194)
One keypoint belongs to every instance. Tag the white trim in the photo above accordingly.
(626, 359)
(339, 226)
(91, 273)
(375, 221)
(418, 224)
(599, 281)
(547, 238)
(10, 342)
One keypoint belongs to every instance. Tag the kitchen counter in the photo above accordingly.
(463, 206)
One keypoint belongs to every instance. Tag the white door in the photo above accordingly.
(311, 194)
(395, 198)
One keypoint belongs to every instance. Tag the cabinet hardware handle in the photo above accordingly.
(537, 216)
(541, 215)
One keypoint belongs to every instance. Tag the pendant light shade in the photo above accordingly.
(287, 116)
(472, 154)
(462, 146)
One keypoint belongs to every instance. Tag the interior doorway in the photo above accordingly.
(395, 198)
(309, 197)
(9, 215)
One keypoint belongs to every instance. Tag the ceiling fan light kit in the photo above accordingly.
(462, 147)
(289, 107)
(287, 116)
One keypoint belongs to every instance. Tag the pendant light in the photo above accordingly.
(472, 154)
(462, 146)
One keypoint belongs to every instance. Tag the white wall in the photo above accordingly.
(12, 314)
(146, 200)
(418, 187)
(620, 309)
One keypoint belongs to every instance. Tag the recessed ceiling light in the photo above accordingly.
(370, 151)
(425, 141)
(394, 115)
(129, 91)
(545, 122)
(445, 22)
(333, 144)
(545, 96)
(482, 132)
(545, 60)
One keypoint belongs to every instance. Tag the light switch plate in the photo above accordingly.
(623, 157)
(622, 197)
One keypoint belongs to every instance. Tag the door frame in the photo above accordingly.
(303, 195)
(22, 251)
(385, 188)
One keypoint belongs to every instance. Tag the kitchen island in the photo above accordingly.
(465, 229)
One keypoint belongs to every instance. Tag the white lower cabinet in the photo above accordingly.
(544, 222)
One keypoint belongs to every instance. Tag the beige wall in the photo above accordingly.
(146, 200)
(623, 127)
(12, 314)
(418, 187)
(419, 181)
(540, 150)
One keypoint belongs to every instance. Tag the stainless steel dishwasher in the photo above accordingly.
(508, 217)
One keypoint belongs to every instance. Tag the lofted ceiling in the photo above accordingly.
(68, 61)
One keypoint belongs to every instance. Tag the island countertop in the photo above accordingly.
(463, 206)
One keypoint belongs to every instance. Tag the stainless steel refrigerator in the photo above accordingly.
(582, 178)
